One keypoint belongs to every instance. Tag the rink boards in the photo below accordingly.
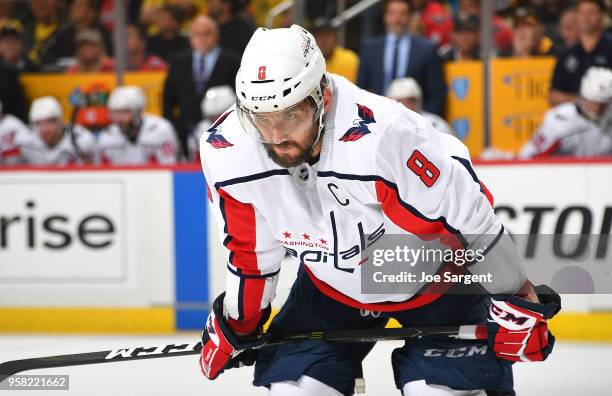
(103, 250)
(128, 249)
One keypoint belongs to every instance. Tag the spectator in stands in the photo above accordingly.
(169, 41)
(582, 128)
(400, 54)
(10, 127)
(594, 48)
(90, 57)
(528, 36)
(502, 34)
(548, 12)
(137, 57)
(83, 15)
(234, 31)
(407, 92)
(338, 60)
(216, 101)
(135, 137)
(191, 73)
(53, 142)
(106, 11)
(40, 34)
(11, 47)
(11, 92)
(149, 9)
(465, 40)
(434, 21)
(568, 28)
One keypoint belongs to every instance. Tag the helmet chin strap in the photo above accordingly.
(321, 126)
(319, 132)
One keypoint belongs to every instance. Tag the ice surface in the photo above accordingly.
(573, 368)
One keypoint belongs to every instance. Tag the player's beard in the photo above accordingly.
(303, 154)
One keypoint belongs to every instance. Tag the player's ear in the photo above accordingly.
(327, 99)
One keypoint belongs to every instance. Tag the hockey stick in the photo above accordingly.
(472, 332)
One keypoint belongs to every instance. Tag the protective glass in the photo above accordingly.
(278, 126)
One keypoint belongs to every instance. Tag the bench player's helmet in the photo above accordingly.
(217, 100)
(45, 108)
(407, 91)
(127, 98)
(46, 116)
(126, 105)
(280, 69)
(596, 89)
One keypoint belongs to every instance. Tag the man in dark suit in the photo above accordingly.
(192, 73)
(401, 54)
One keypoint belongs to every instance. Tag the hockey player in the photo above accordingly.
(314, 167)
(135, 137)
(215, 102)
(10, 127)
(51, 141)
(407, 91)
(580, 129)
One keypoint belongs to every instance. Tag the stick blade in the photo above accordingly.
(117, 355)
(16, 366)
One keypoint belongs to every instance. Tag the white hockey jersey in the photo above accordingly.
(566, 132)
(156, 144)
(10, 127)
(382, 169)
(76, 146)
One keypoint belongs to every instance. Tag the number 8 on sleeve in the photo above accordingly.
(426, 170)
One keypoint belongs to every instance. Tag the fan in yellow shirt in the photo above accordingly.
(338, 60)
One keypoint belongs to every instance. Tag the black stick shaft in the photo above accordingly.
(137, 353)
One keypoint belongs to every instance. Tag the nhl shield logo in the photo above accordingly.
(460, 87)
(461, 127)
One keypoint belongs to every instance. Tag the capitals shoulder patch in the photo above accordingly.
(215, 139)
(366, 116)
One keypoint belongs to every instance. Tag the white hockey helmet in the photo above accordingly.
(596, 85)
(129, 97)
(217, 100)
(280, 68)
(45, 108)
(402, 88)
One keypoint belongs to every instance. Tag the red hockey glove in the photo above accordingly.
(518, 329)
(220, 346)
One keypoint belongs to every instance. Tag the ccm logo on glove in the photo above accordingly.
(513, 319)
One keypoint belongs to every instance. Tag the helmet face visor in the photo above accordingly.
(278, 126)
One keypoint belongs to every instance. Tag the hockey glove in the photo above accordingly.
(221, 347)
(518, 329)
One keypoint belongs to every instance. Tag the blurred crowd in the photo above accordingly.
(396, 48)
